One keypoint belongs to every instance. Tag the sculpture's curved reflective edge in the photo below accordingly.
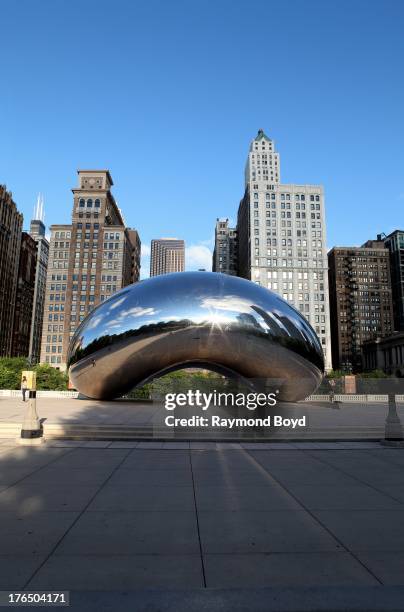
(218, 321)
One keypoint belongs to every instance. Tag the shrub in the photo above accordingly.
(47, 378)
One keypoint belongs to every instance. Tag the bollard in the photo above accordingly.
(31, 431)
(393, 431)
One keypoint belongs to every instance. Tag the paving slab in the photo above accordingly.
(71, 477)
(258, 498)
(12, 475)
(139, 478)
(228, 446)
(123, 444)
(176, 445)
(16, 570)
(309, 474)
(285, 569)
(92, 458)
(65, 443)
(202, 445)
(29, 498)
(274, 599)
(394, 456)
(225, 476)
(148, 497)
(252, 531)
(170, 461)
(33, 534)
(97, 444)
(387, 566)
(128, 533)
(87, 572)
(150, 445)
(366, 530)
(343, 497)
(214, 460)
(395, 491)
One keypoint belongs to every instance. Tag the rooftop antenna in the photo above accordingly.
(42, 209)
(37, 207)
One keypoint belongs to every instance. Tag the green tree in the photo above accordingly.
(373, 374)
(10, 371)
(47, 378)
(50, 379)
(335, 374)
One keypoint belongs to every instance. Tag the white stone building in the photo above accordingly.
(282, 238)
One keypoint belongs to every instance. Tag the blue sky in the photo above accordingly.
(168, 95)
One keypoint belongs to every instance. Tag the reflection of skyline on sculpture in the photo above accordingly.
(177, 319)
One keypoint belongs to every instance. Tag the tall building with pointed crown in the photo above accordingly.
(37, 232)
(282, 237)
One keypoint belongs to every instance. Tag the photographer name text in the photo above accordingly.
(230, 423)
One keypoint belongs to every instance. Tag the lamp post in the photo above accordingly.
(31, 430)
(393, 429)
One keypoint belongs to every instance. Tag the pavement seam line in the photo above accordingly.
(80, 514)
(37, 470)
(197, 520)
(317, 520)
(339, 469)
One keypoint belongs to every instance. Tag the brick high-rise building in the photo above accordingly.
(225, 253)
(360, 300)
(136, 252)
(24, 300)
(89, 260)
(37, 232)
(167, 255)
(281, 237)
(10, 242)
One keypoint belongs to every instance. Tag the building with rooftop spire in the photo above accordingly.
(281, 237)
(37, 232)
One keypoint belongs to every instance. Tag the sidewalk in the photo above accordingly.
(122, 516)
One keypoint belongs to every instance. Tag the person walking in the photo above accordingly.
(24, 387)
(332, 390)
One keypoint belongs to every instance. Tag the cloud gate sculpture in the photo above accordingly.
(205, 319)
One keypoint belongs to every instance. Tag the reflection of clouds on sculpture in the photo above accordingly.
(206, 319)
(230, 303)
(135, 312)
(117, 303)
(95, 322)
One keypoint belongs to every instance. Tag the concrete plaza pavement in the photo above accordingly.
(284, 525)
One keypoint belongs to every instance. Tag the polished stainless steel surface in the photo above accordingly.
(217, 321)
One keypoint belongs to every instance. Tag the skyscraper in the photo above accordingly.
(24, 299)
(136, 252)
(225, 252)
(167, 255)
(395, 243)
(360, 300)
(89, 260)
(282, 238)
(37, 232)
(10, 242)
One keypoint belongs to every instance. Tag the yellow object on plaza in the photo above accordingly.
(30, 379)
